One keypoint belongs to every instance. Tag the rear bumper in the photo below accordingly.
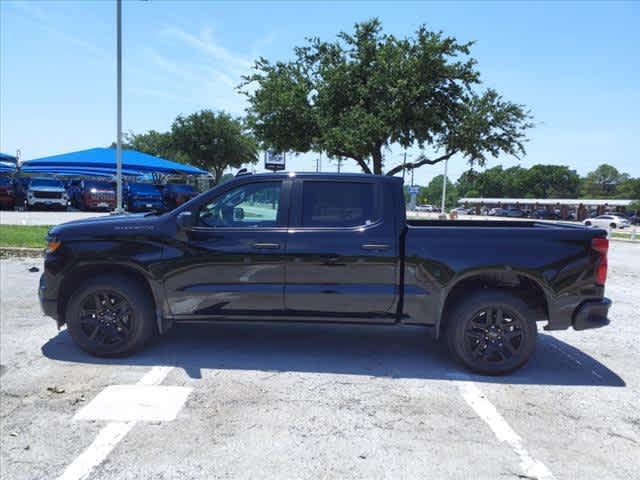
(592, 314)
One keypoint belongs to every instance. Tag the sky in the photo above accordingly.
(575, 65)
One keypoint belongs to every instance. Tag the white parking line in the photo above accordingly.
(486, 411)
(109, 436)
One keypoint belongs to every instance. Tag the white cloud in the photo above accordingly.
(41, 19)
(205, 43)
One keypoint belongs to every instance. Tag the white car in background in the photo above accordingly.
(425, 208)
(607, 221)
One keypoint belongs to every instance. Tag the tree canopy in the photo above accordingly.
(604, 181)
(213, 141)
(359, 95)
(539, 181)
(155, 143)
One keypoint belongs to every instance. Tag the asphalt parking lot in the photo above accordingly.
(293, 401)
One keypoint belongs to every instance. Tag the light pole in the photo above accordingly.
(444, 186)
(119, 108)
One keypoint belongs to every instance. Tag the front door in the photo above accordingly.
(234, 260)
(341, 255)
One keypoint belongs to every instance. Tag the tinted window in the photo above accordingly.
(337, 204)
(250, 205)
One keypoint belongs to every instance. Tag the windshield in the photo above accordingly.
(180, 187)
(143, 188)
(99, 185)
(46, 182)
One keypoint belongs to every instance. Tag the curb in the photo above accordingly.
(6, 252)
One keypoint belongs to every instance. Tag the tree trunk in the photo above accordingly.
(217, 172)
(376, 155)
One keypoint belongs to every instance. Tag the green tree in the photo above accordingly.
(433, 192)
(630, 189)
(366, 91)
(155, 143)
(603, 182)
(214, 141)
(551, 181)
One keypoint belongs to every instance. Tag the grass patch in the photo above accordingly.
(23, 235)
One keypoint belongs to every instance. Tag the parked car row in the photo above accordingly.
(52, 193)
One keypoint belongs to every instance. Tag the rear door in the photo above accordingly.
(342, 257)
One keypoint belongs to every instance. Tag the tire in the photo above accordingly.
(587, 223)
(613, 225)
(487, 341)
(113, 328)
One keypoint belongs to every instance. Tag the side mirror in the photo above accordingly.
(238, 213)
(186, 220)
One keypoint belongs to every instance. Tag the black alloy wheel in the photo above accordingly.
(111, 315)
(492, 332)
(106, 319)
(493, 335)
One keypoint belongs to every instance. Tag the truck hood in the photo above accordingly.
(120, 224)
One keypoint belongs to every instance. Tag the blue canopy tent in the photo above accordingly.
(7, 163)
(80, 171)
(103, 161)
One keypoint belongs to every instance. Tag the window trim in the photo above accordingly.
(296, 216)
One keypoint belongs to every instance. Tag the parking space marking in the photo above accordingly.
(95, 454)
(487, 411)
(110, 435)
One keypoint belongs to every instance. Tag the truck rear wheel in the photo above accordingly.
(111, 315)
(491, 332)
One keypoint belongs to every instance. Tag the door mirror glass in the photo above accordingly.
(186, 220)
(238, 214)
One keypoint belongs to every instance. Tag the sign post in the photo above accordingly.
(413, 191)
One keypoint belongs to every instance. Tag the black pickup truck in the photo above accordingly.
(323, 248)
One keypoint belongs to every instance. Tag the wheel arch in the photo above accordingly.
(76, 275)
(520, 284)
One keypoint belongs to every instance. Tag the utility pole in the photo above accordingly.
(119, 108)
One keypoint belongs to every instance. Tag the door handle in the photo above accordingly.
(375, 246)
(266, 246)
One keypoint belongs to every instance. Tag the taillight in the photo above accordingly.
(601, 245)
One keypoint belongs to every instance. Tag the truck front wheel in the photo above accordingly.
(491, 332)
(111, 315)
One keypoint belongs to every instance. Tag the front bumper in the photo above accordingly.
(47, 202)
(47, 294)
(99, 204)
(145, 205)
(592, 314)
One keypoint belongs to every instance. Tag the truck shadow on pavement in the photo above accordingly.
(377, 351)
